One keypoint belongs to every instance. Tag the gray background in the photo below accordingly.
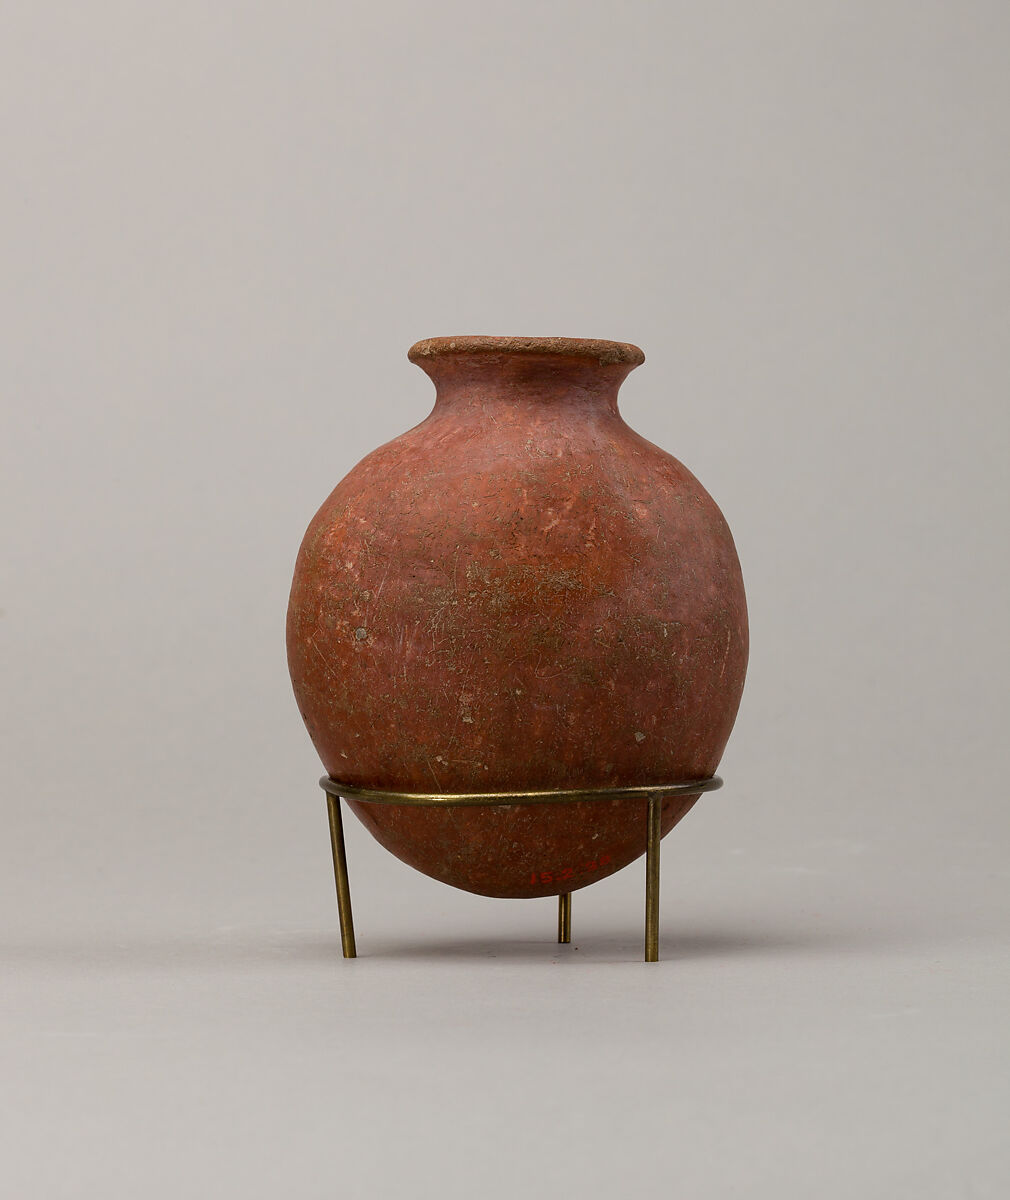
(222, 226)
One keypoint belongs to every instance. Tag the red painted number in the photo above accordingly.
(566, 873)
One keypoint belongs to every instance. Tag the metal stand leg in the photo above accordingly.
(565, 918)
(340, 872)
(652, 879)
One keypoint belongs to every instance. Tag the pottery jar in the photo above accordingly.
(518, 593)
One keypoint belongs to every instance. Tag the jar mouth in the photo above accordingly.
(595, 350)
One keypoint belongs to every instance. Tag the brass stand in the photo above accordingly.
(334, 789)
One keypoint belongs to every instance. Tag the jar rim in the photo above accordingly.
(591, 349)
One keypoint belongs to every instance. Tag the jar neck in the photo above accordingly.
(526, 371)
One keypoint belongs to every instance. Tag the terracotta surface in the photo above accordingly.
(520, 592)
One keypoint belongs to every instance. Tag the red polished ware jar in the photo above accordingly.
(518, 593)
